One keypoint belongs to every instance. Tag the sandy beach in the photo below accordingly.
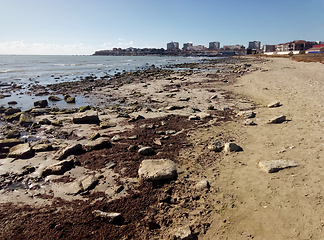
(208, 136)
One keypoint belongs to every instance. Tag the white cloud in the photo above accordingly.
(20, 47)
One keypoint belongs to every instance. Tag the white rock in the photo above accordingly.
(274, 104)
(201, 185)
(246, 114)
(276, 165)
(194, 117)
(157, 170)
(279, 119)
(109, 217)
(184, 233)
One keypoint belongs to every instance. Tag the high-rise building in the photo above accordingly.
(255, 45)
(214, 45)
(187, 46)
(173, 46)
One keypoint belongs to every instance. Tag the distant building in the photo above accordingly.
(234, 47)
(214, 45)
(294, 46)
(269, 48)
(173, 46)
(255, 45)
(199, 48)
(187, 47)
(316, 49)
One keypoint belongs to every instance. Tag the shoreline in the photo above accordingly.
(161, 116)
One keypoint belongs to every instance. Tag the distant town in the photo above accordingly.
(215, 49)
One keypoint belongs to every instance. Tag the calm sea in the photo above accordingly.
(27, 70)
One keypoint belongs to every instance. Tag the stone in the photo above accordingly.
(12, 134)
(157, 170)
(45, 121)
(107, 124)
(54, 98)
(274, 104)
(10, 142)
(184, 99)
(108, 217)
(89, 182)
(214, 97)
(201, 185)
(94, 136)
(217, 146)
(41, 103)
(184, 233)
(246, 114)
(70, 100)
(279, 119)
(11, 111)
(249, 122)
(39, 111)
(276, 165)
(171, 108)
(26, 119)
(84, 108)
(67, 151)
(12, 103)
(193, 117)
(171, 132)
(58, 168)
(21, 151)
(116, 138)
(43, 147)
(232, 147)
(97, 144)
(86, 117)
(146, 151)
(13, 117)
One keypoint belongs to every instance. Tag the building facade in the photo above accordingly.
(187, 46)
(255, 45)
(214, 45)
(294, 46)
(173, 46)
(269, 48)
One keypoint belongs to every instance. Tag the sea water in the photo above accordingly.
(27, 70)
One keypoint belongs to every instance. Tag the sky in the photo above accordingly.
(81, 27)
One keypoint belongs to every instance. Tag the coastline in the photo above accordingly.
(182, 116)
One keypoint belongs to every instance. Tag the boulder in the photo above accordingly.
(10, 142)
(70, 100)
(86, 117)
(84, 108)
(21, 151)
(13, 117)
(45, 121)
(26, 119)
(146, 151)
(41, 103)
(58, 168)
(97, 144)
(11, 111)
(157, 170)
(54, 98)
(279, 119)
(43, 147)
(232, 147)
(276, 165)
(67, 151)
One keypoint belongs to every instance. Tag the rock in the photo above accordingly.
(116, 138)
(41, 103)
(26, 119)
(11, 111)
(134, 137)
(67, 151)
(94, 136)
(249, 122)
(157, 170)
(274, 104)
(39, 111)
(86, 117)
(246, 114)
(108, 217)
(43, 147)
(146, 151)
(279, 119)
(184, 233)
(65, 97)
(54, 98)
(214, 97)
(276, 165)
(184, 99)
(97, 144)
(84, 108)
(201, 185)
(45, 121)
(107, 124)
(15, 133)
(10, 142)
(12, 103)
(171, 132)
(217, 146)
(13, 117)
(89, 182)
(232, 147)
(193, 117)
(58, 168)
(70, 100)
(170, 108)
(21, 151)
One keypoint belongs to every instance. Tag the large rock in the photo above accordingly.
(21, 151)
(157, 170)
(184, 233)
(41, 103)
(67, 151)
(54, 98)
(11, 111)
(10, 142)
(13, 117)
(58, 168)
(232, 147)
(97, 144)
(26, 119)
(107, 124)
(276, 165)
(43, 147)
(89, 116)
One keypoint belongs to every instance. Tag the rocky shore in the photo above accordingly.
(126, 166)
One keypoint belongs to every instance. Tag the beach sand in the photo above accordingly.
(216, 195)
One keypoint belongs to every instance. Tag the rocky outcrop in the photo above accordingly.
(58, 168)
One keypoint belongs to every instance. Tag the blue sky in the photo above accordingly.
(84, 26)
